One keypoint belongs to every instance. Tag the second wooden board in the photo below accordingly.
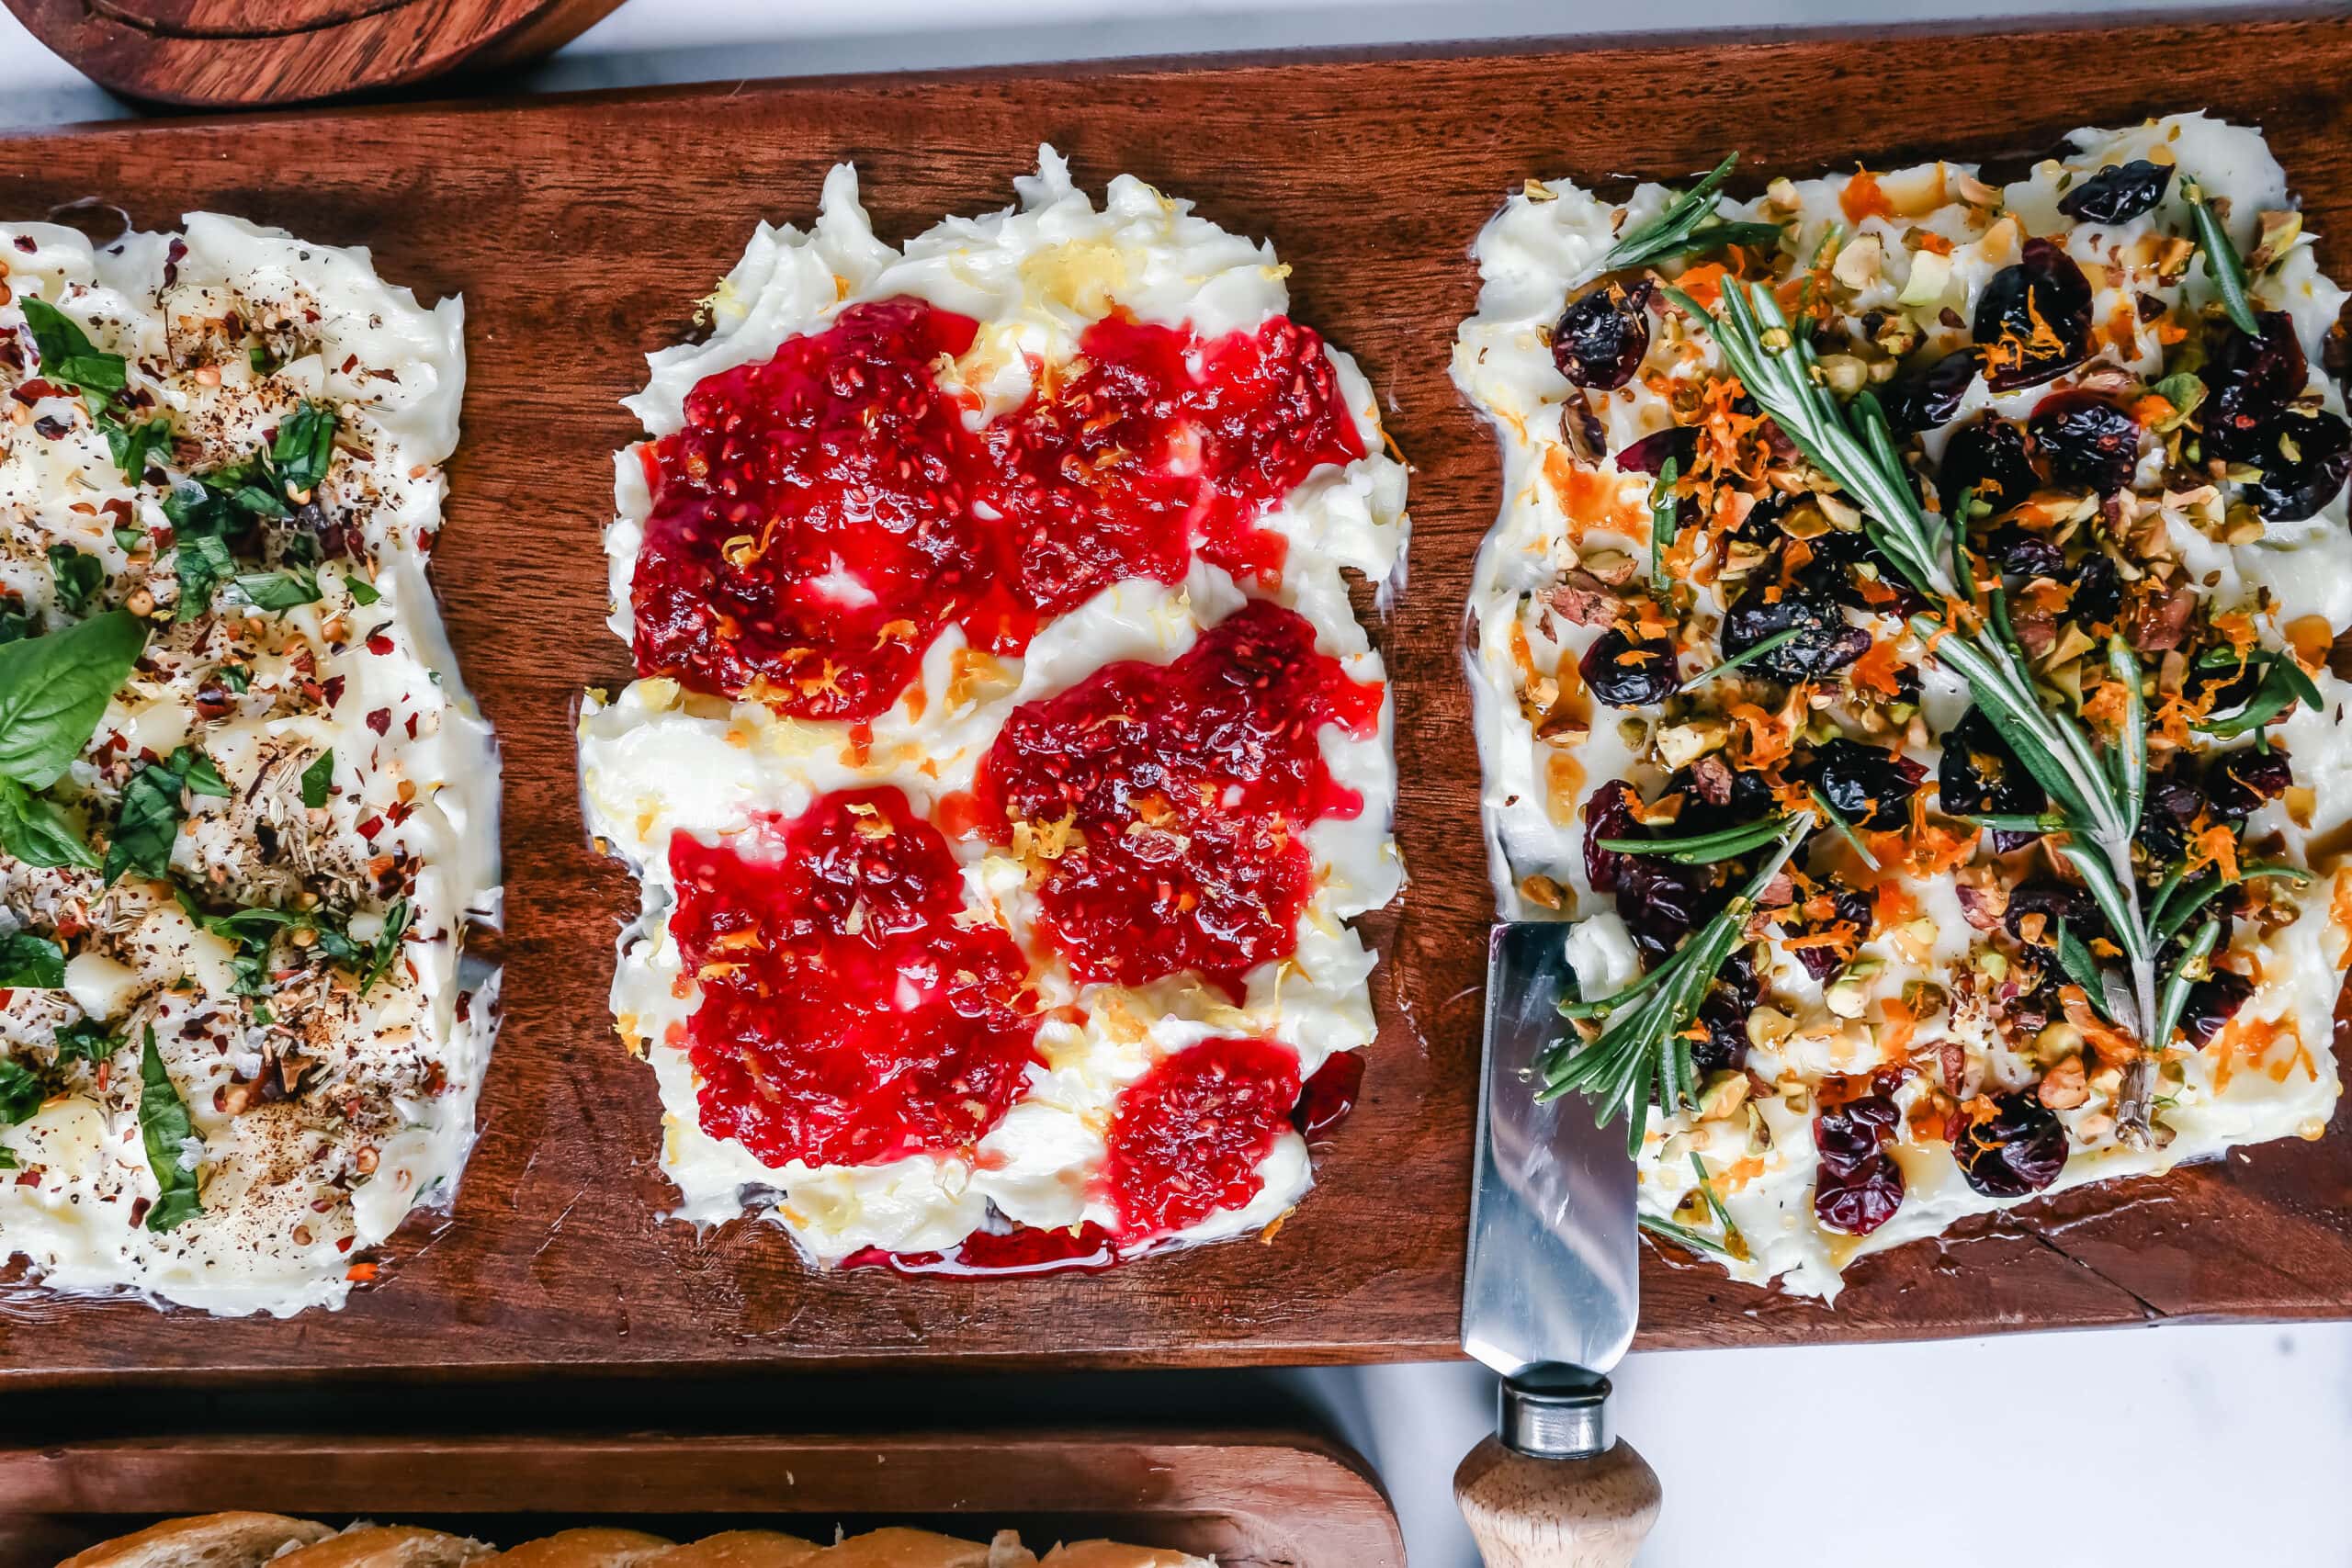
(579, 230)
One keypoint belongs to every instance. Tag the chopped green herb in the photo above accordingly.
(2221, 263)
(202, 564)
(78, 577)
(362, 592)
(37, 832)
(130, 539)
(150, 821)
(54, 689)
(67, 354)
(1682, 1236)
(388, 945)
(32, 962)
(164, 1128)
(304, 447)
(280, 591)
(21, 1092)
(134, 447)
(2283, 684)
(317, 779)
(85, 1040)
(236, 677)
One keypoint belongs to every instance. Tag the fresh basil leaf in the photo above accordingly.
(67, 354)
(130, 539)
(78, 577)
(21, 1092)
(8, 1159)
(149, 824)
(388, 945)
(280, 591)
(133, 444)
(54, 691)
(304, 447)
(362, 592)
(236, 677)
(259, 499)
(85, 1040)
(203, 566)
(164, 1128)
(37, 833)
(34, 963)
(334, 945)
(15, 624)
(317, 780)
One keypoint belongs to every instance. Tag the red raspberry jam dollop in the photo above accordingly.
(1188, 1136)
(826, 512)
(995, 1254)
(1166, 801)
(846, 1018)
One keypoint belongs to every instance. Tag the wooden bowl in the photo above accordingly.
(242, 53)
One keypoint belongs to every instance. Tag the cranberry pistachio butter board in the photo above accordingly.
(614, 1211)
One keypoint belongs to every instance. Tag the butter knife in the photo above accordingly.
(1552, 1291)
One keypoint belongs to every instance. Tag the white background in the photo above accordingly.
(2199, 1447)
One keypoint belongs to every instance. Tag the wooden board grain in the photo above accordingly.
(579, 230)
(1272, 1499)
(242, 54)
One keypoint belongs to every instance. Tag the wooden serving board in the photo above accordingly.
(581, 230)
(1253, 1500)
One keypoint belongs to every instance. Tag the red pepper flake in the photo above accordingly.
(379, 643)
(412, 727)
(333, 690)
(370, 829)
(362, 1273)
(380, 720)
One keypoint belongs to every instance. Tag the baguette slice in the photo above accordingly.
(738, 1549)
(208, 1541)
(1111, 1554)
(388, 1546)
(596, 1547)
(897, 1548)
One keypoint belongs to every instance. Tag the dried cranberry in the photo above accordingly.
(2020, 554)
(1629, 675)
(2054, 901)
(2118, 194)
(2213, 1002)
(1750, 800)
(1648, 456)
(1608, 815)
(1600, 338)
(1869, 786)
(1923, 400)
(1842, 563)
(1726, 1047)
(2175, 796)
(2240, 782)
(2304, 460)
(1825, 642)
(2249, 381)
(1858, 1186)
(1979, 774)
(1847, 906)
(2033, 321)
(2099, 590)
(2021, 1149)
(2087, 441)
(1989, 458)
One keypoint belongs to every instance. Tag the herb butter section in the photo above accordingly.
(246, 810)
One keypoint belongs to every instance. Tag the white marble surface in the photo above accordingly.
(2183, 1446)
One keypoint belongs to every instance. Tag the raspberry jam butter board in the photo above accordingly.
(579, 230)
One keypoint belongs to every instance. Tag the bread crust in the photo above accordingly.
(388, 1546)
(597, 1546)
(738, 1549)
(900, 1548)
(233, 1540)
(1111, 1554)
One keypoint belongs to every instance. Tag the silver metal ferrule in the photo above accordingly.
(1556, 1412)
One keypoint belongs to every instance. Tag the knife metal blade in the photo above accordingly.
(1553, 1286)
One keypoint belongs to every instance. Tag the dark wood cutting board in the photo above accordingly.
(580, 231)
(1269, 1499)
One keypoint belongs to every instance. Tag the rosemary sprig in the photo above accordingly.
(1643, 1050)
(1714, 1204)
(1837, 819)
(1704, 848)
(2221, 263)
(2283, 684)
(1682, 1236)
(2098, 798)
(1744, 656)
(1663, 521)
(1662, 235)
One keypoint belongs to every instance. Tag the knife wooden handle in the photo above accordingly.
(1556, 1512)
